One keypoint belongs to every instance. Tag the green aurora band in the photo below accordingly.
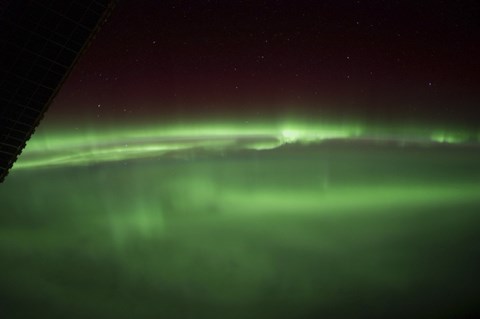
(67, 148)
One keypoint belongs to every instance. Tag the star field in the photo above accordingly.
(369, 59)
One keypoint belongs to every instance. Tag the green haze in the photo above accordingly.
(340, 229)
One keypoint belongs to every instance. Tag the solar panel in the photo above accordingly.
(40, 41)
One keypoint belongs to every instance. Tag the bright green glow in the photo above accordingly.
(63, 149)
(449, 137)
(67, 148)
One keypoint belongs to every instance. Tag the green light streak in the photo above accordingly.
(68, 149)
(449, 137)
(359, 198)
(90, 146)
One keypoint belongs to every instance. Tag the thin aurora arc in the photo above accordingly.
(62, 147)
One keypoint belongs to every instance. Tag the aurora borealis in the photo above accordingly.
(63, 149)
(264, 159)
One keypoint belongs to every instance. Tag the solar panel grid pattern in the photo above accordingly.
(39, 43)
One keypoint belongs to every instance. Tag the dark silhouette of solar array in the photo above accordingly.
(40, 41)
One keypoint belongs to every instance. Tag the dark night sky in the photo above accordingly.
(376, 60)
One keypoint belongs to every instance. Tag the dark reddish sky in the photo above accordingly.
(375, 59)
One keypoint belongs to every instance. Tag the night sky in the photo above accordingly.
(374, 61)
